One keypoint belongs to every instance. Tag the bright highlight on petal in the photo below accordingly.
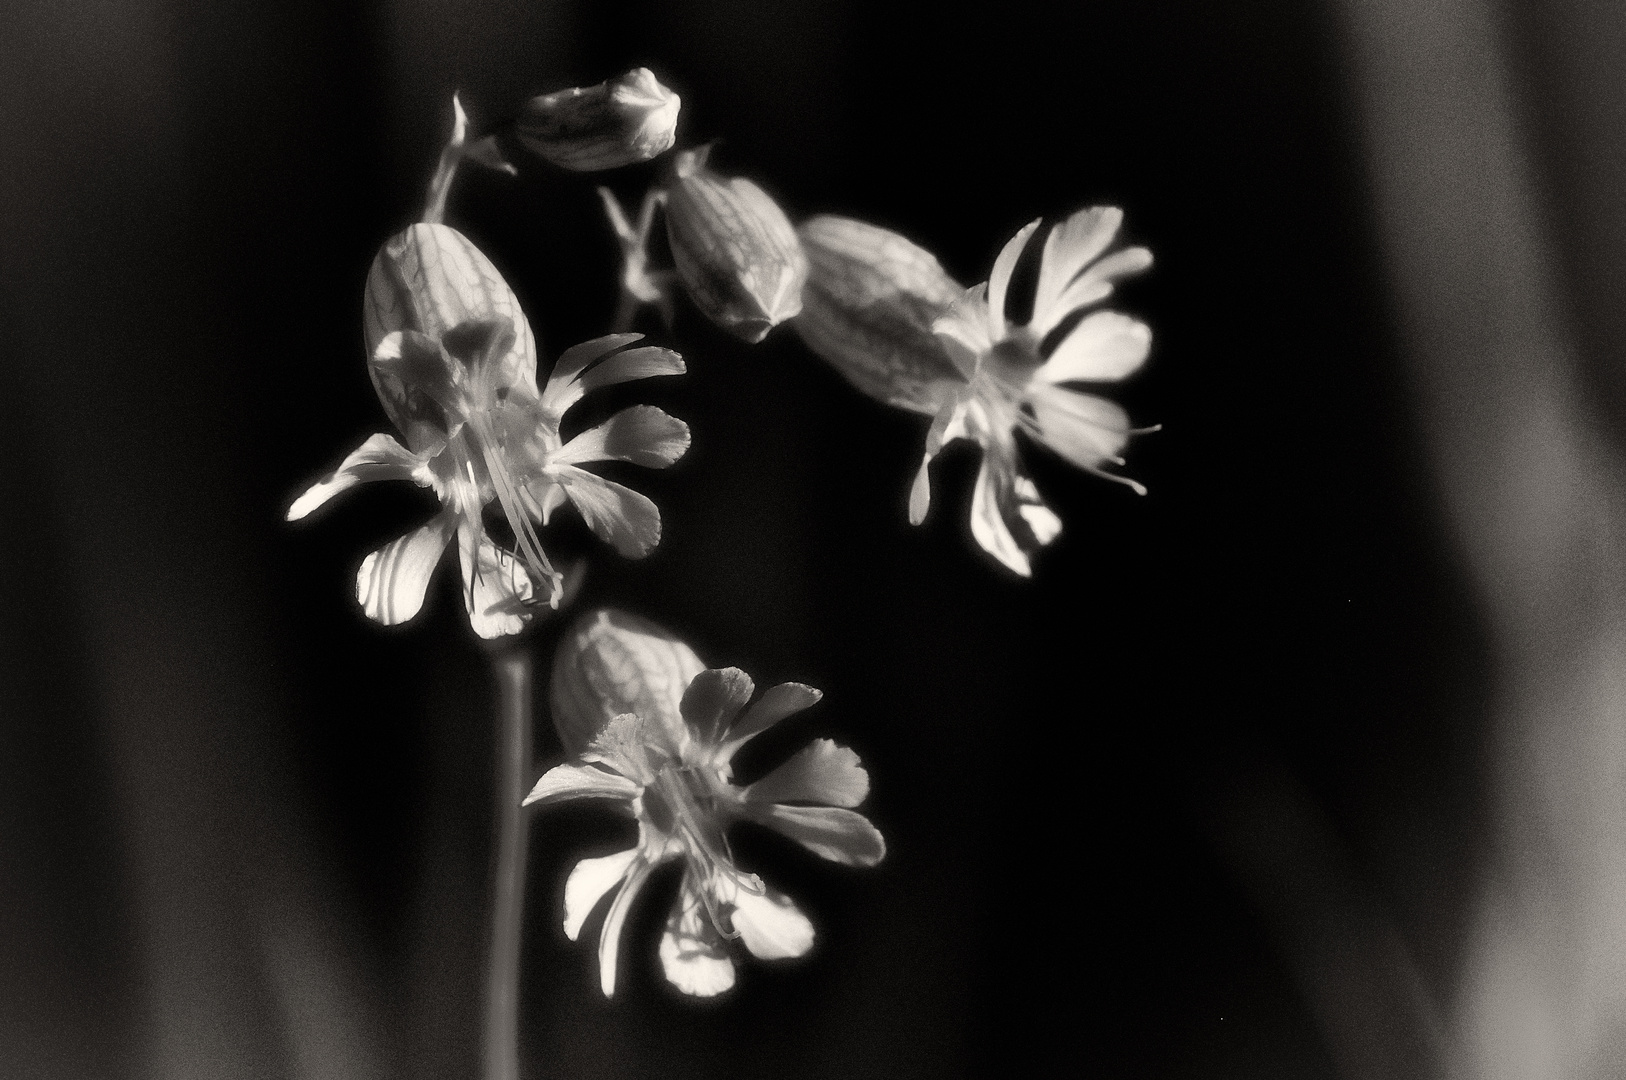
(391, 583)
(643, 435)
(770, 924)
(588, 883)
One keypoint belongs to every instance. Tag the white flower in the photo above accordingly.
(672, 770)
(454, 364)
(1016, 377)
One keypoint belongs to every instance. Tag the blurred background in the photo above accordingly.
(1311, 763)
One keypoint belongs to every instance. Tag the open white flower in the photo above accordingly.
(1016, 376)
(673, 773)
(454, 363)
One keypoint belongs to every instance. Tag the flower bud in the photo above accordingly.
(611, 662)
(736, 252)
(621, 121)
(868, 308)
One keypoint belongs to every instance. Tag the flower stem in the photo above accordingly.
(512, 667)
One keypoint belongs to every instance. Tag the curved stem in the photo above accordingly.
(512, 667)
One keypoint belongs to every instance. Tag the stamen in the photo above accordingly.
(693, 824)
(530, 544)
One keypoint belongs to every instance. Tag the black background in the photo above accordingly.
(1101, 789)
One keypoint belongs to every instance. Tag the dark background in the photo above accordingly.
(1129, 803)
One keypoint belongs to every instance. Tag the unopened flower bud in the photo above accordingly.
(621, 121)
(612, 662)
(868, 308)
(735, 250)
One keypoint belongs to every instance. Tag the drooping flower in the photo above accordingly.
(454, 363)
(880, 315)
(620, 121)
(735, 250)
(670, 765)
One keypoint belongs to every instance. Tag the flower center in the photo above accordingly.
(682, 802)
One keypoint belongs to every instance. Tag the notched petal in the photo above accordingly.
(693, 956)
(622, 518)
(713, 699)
(820, 772)
(642, 434)
(776, 703)
(843, 836)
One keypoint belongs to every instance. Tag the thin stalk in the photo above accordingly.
(512, 667)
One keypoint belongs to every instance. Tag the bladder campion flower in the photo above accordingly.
(873, 297)
(454, 363)
(670, 766)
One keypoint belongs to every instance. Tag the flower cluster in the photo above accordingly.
(453, 360)
(668, 761)
(881, 310)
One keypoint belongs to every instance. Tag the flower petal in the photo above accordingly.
(629, 364)
(843, 836)
(564, 388)
(1046, 526)
(693, 954)
(610, 663)
(564, 782)
(619, 516)
(1094, 284)
(496, 589)
(609, 939)
(820, 772)
(379, 458)
(770, 924)
(1071, 246)
(776, 703)
(1085, 429)
(920, 492)
(1104, 347)
(1000, 278)
(1000, 521)
(713, 699)
(391, 582)
(643, 435)
(588, 883)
